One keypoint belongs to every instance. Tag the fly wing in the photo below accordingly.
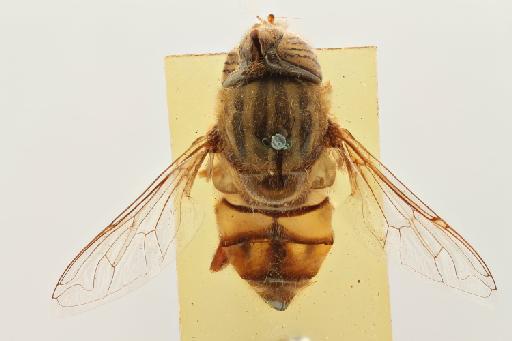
(136, 244)
(427, 243)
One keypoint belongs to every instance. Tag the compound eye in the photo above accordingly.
(231, 64)
(296, 51)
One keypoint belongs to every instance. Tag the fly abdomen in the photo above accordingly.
(276, 252)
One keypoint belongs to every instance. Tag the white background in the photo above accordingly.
(83, 129)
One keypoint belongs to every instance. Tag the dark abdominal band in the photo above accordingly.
(277, 214)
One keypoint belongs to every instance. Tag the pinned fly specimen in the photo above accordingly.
(273, 155)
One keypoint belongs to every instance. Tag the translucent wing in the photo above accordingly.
(427, 243)
(138, 242)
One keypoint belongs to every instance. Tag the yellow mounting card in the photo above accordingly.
(348, 298)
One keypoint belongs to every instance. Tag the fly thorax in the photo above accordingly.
(273, 131)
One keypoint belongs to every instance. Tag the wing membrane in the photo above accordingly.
(137, 243)
(427, 243)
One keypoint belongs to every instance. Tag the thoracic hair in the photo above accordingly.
(249, 114)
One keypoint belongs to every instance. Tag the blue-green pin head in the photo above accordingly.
(278, 142)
